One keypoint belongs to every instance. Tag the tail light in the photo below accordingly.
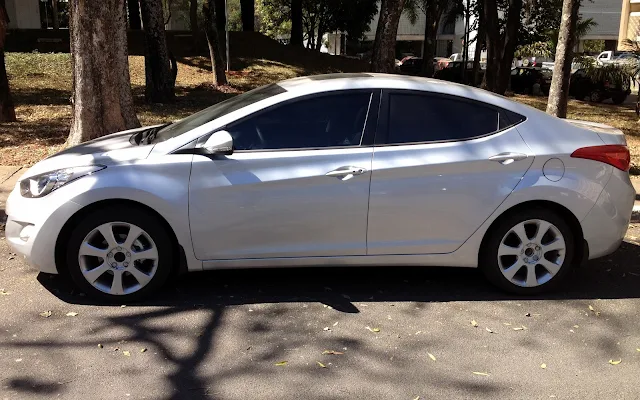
(615, 155)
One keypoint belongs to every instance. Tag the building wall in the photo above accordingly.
(606, 13)
(24, 14)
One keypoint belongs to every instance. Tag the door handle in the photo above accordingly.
(345, 173)
(507, 158)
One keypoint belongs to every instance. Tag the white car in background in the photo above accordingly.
(344, 169)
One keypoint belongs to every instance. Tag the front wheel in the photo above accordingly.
(529, 252)
(119, 254)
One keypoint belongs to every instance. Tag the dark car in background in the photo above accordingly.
(583, 87)
(453, 72)
(411, 65)
(523, 79)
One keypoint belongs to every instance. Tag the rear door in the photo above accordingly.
(441, 166)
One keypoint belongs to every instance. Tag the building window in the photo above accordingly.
(49, 18)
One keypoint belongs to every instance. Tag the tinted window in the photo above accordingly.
(424, 118)
(217, 111)
(326, 121)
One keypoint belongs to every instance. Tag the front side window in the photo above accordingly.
(334, 120)
(417, 118)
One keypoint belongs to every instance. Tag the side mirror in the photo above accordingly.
(220, 142)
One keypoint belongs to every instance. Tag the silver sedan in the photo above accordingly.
(344, 169)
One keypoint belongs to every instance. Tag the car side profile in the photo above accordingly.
(342, 169)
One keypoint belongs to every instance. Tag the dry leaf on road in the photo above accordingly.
(374, 330)
(431, 356)
(142, 350)
(100, 346)
(127, 353)
(615, 362)
(474, 323)
(481, 373)
(333, 352)
(281, 364)
(72, 314)
(45, 314)
(543, 366)
(489, 330)
(321, 364)
(4, 292)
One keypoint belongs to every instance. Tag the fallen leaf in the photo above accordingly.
(489, 330)
(123, 306)
(474, 323)
(543, 366)
(638, 349)
(127, 353)
(591, 308)
(11, 258)
(507, 324)
(576, 326)
(100, 346)
(333, 352)
(335, 323)
(45, 314)
(4, 292)
(416, 398)
(281, 364)
(527, 315)
(142, 350)
(431, 356)
(321, 364)
(481, 373)
(616, 362)
(326, 328)
(72, 314)
(374, 330)
(518, 328)
(419, 332)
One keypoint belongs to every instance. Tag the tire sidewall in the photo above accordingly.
(489, 257)
(137, 216)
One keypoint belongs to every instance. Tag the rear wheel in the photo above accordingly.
(529, 252)
(120, 254)
(595, 96)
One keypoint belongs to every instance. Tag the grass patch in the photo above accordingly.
(41, 86)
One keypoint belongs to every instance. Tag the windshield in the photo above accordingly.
(218, 110)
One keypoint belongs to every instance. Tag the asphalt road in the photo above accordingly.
(220, 335)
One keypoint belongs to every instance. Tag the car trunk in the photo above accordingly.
(608, 134)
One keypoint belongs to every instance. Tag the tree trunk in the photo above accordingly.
(221, 26)
(480, 38)
(384, 46)
(248, 15)
(134, 14)
(193, 22)
(101, 100)
(559, 92)
(217, 63)
(296, 23)
(494, 44)
(318, 43)
(7, 109)
(509, 45)
(54, 12)
(160, 85)
(432, 20)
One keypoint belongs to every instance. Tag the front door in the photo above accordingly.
(297, 184)
(442, 165)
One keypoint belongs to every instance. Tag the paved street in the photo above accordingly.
(401, 333)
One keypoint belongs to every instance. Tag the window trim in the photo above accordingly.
(368, 136)
(384, 117)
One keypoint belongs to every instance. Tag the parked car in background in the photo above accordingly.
(411, 65)
(524, 79)
(615, 57)
(285, 176)
(584, 87)
(453, 72)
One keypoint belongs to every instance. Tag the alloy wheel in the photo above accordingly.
(118, 258)
(531, 253)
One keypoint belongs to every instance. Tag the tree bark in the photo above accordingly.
(296, 23)
(193, 22)
(102, 101)
(480, 38)
(559, 92)
(384, 46)
(217, 63)
(7, 109)
(500, 49)
(432, 20)
(221, 26)
(509, 45)
(134, 14)
(160, 83)
(248, 15)
(54, 16)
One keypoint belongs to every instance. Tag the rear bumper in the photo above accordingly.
(606, 224)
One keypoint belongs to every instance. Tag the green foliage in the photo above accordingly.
(274, 17)
(593, 46)
(535, 49)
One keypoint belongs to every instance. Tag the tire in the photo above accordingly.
(497, 263)
(143, 262)
(595, 97)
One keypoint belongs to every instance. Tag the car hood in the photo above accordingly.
(107, 150)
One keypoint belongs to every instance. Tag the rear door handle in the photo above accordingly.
(345, 173)
(507, 158)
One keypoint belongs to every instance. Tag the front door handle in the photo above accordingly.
(345, 173)
(508, 158)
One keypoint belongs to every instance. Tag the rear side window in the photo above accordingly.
(416, 118)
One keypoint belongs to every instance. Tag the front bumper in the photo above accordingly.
(33, 226)
(606, 225)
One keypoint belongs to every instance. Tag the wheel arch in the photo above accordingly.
(65, 233)
(582, 250)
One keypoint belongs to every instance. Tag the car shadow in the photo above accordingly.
(613, 277)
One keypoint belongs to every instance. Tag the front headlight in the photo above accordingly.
(43, 184)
